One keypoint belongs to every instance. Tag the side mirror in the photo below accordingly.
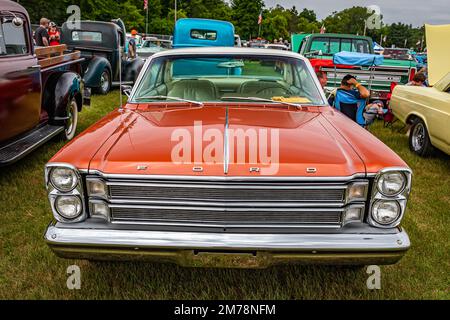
(17, 22)
(126, 90)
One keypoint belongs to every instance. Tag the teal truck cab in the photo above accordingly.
(320, 48)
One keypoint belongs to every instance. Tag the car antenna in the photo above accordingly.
(120, 80)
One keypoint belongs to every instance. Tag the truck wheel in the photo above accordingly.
(70, 126)
(105, 82)
(419, 139)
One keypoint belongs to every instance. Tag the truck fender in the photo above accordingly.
(93, 73)
(68, 86)
(132, 69)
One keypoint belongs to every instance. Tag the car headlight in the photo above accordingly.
(69, 207)
(63, 179)
(97, 188)
(391, 183)
(386, 212)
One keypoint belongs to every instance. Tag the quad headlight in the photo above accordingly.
(63, 179)
(69, 207)
(386, 212)
(65, 192)
(389, 197)
(391, 183)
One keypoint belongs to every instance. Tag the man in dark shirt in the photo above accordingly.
(41, 36)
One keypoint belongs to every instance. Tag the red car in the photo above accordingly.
(228, 157)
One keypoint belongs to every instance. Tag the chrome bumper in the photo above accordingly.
(227, 249)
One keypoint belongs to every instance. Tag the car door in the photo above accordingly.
(20, 78)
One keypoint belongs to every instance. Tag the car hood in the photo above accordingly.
(226, 141)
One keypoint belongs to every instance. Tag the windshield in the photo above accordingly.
(219, 78)
(397, 54)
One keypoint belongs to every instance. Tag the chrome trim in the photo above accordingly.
(117, 201)
(287, 225)
(401, 198)
(226, 144)
(57, 236)
(228, 178)
(53, 193)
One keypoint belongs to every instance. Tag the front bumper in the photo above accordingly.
(197, 249)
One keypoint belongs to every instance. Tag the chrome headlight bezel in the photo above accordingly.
(401, 197)
(383, 176)
(54, 192)
(78, 212)
(75, 178)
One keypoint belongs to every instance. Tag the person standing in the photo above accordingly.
(54, 35)
(41, 36)
(132, 46)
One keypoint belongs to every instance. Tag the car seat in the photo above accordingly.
(198, 90)
(263, 89)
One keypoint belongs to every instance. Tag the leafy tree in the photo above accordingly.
(245, 17)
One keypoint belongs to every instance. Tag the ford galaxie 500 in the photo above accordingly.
(228, 157)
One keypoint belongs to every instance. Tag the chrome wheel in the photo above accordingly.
(105, 82)
(72, 120)
(418, 137)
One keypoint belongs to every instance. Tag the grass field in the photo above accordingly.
(29, 270)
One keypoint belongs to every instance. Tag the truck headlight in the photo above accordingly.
(386, 212)
(63, 179)
(391, 183)
(69, 207)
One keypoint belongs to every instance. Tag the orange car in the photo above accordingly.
(228, 157)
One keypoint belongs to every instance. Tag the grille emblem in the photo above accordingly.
(255, 169)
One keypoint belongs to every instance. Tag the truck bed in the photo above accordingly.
(55, 55)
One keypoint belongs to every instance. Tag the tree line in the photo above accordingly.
(278, 22)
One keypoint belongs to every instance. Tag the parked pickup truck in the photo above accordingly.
(102, 44)
(40, 88)
(320, 48)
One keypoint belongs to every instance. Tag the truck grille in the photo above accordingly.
(258, 204)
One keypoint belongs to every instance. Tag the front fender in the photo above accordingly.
(67, 87)
(93, 73)
(132, 69)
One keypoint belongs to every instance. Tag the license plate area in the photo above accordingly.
(225, 259)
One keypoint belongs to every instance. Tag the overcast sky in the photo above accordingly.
(416, 12)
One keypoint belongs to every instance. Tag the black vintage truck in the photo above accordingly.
(41, 90)
(102, 45)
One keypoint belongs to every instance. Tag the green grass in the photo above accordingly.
(29, 270)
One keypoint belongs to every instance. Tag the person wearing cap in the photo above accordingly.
(132, 45)
(54, 35)
(350, 99)
(41, 36)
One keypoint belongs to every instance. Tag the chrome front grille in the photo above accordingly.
(227, 192)
(220, 203)
(226, 217)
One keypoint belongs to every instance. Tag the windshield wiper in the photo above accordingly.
(262, 100)
(170, 98)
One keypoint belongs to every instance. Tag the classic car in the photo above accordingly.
(40, 88)
(102, 45)
(320, 49)
(231, 163)
(427, 111)
(152, 45)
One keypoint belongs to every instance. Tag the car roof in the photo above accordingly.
(229, 50)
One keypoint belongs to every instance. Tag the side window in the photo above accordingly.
(13, 40)
(334, 46)
(346, 45)
(361, 46)
(320, 44)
